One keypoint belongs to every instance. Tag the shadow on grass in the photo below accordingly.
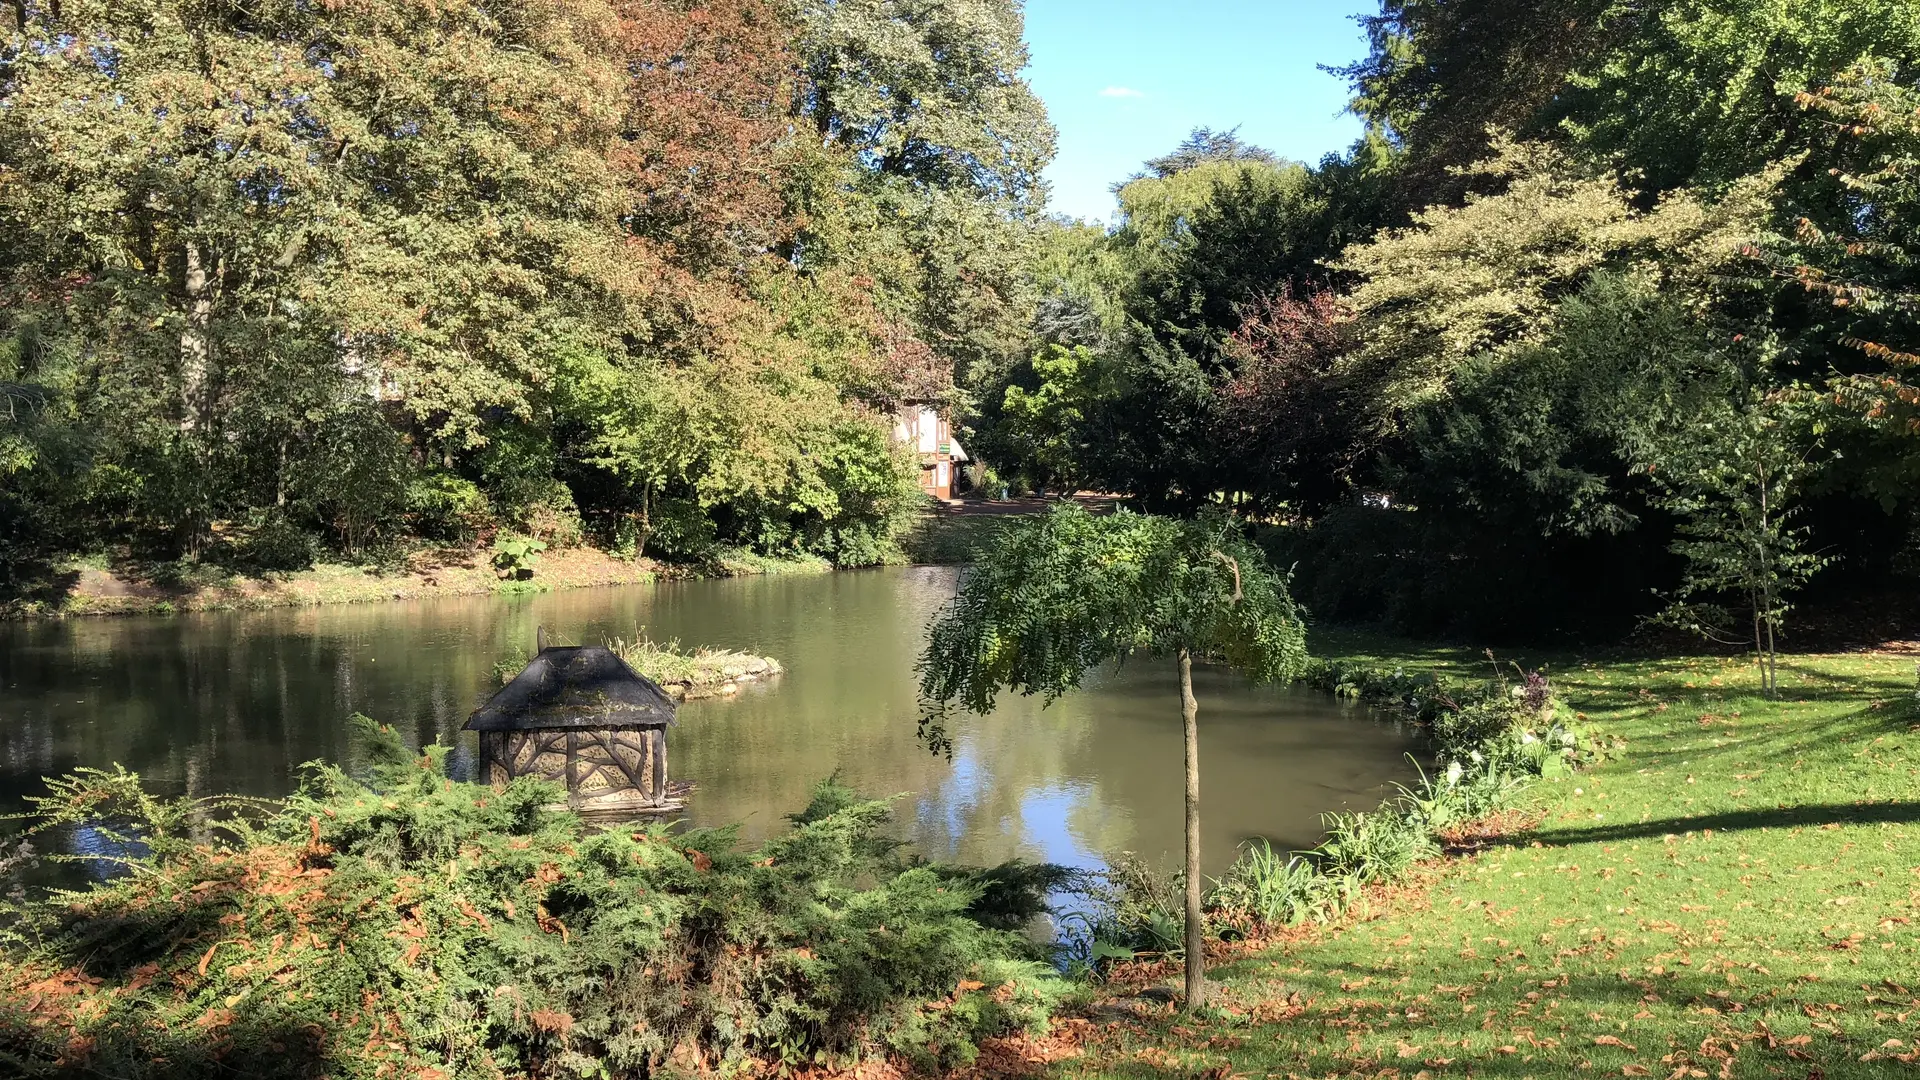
(1594, 1036)
(1830, 742)
(1815, 814)
(35, 585)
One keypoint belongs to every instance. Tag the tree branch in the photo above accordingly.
(1235, 567)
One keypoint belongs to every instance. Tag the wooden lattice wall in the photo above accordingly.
(596, 764)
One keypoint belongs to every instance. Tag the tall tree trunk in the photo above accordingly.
(1196, 925)
(1772, 653)
(196, 346)
(1766, 583)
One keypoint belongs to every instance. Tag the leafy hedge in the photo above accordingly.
(408, 925)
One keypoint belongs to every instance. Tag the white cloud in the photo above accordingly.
(1121, 92)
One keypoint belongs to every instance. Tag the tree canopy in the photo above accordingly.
(373, 273)
(1450, 368)
(1068, 591)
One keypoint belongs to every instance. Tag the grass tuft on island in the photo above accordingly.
(700, 673)
(687, 675)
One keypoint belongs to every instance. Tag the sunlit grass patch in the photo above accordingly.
(1733, 894)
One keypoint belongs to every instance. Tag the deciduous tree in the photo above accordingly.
(1069, 591)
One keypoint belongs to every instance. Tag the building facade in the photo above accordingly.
(922, 427)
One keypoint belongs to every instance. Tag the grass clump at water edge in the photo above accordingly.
(1492, 741)
(702, 672)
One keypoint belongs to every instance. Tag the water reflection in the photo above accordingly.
(238, 701)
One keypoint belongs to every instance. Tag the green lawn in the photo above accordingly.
(1736, 893)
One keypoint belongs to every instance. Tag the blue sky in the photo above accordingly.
(1126, 80)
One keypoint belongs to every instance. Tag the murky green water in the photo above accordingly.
(236, 702)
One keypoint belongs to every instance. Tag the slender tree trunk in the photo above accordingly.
(1772, 656)
(196, 346)
(1767, 572)
(1773, 663)
(1196, 925)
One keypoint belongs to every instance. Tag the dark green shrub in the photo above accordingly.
(517, 471)
(680, 529)
(554, 518)
(948, 540)
(443, 506)
(1459, 731)
(860, 543)
(406, 923)
(355, 477)
(275, 543)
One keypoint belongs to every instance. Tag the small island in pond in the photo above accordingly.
(697, 674)
(685, 675)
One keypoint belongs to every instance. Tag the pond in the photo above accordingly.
(236, 702)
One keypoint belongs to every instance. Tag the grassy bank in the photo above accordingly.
(1732, 894)
(951, 535)
(950, 539)
(99, 586)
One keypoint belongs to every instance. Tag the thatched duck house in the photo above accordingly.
(579, 716)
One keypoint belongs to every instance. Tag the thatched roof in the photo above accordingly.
(575, 686)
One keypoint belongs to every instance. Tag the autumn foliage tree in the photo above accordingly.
(1858, 263)
(241, 226)
(242, 238)
(1283, 408)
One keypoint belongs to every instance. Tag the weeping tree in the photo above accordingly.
(1067, 591)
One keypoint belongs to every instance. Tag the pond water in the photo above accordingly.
(235, 702)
